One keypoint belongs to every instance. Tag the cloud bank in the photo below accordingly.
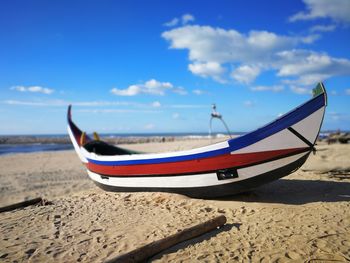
(34, 89)
(152, 87)
(227, 55)
(337, 10)
(184, 19)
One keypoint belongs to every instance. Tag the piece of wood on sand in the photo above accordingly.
(143, 253)
(26, 203)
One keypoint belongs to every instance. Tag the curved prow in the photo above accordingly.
(320, 90)
(300, 125)
(76, 134)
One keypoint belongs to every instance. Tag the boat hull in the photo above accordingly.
(209, 191)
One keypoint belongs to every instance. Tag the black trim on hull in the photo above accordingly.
(302, 138)
(218, 190)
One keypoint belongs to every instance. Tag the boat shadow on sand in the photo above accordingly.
(296, 192)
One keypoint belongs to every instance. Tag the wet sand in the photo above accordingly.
(304, 217)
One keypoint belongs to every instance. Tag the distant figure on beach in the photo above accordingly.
(338, 136)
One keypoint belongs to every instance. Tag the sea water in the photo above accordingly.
(22, 145)
(29, 148)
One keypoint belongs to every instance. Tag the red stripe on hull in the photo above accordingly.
(193, 166)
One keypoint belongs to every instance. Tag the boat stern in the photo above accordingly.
(75, 135)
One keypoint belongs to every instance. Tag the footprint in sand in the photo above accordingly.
(57, 224)
(30, 252)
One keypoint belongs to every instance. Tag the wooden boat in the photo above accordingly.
(225, 168)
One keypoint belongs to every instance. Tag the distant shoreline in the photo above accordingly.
(111, 138)
(117, 138)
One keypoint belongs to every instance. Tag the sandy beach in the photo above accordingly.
(304, 217)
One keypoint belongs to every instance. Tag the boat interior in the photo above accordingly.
(103, 148)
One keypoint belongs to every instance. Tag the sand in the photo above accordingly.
(304, 217)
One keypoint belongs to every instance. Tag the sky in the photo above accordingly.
(157, 66)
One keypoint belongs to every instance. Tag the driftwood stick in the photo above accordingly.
(142, 253)
(21, 204)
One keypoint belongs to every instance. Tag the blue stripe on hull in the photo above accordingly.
(284, 122)
(166, 159)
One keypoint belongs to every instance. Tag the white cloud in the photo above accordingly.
(184, 19)
(275, 88)
(32, 103)
(130, 91)
(153, 87)
(248, 103)
(116, 111)
(298, 62)
(310, 67)
(198, 92)
(172, 22)
(337, 10)
(34, 89)
(176, 116)
(156, 104)
(208, 44)
(347, 91)
(245, 74)
(300, 90)
(337, 116)
(334, 116)
(213, 50)
(187, 106)
(306, 80)
(62, 103)
(310, 38)
(180, 91)
(208, 69)
(101, 103)
(149, 126)
(323, 28)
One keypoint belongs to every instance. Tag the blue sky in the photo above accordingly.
(157, 66)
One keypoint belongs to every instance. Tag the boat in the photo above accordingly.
(220, 169)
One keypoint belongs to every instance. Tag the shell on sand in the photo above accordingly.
(305, 216)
